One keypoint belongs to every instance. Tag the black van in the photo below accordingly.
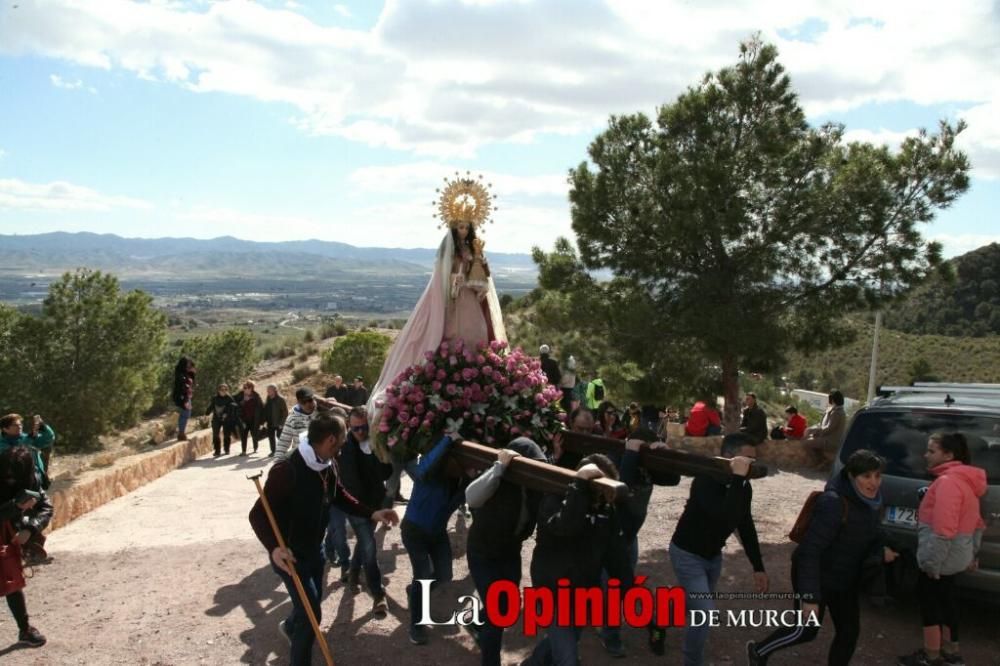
(897, 426)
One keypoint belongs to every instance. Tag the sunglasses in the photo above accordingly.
(360, 428)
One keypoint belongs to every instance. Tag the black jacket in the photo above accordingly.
(837, 543)
(501, 523)
(713, 511)
(363, 474)
(576, 540)
(35, 519)
(275, 412)
(551, 369)
(300, 501)
(640, 482)
(223, 409)
(754, 423)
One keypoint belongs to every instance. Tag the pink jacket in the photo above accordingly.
(951, 523)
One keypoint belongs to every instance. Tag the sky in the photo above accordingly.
(279, 120)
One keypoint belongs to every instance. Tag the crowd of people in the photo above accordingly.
(327, 476)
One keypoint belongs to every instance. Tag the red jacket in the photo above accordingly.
(700, 418)
(796, 428)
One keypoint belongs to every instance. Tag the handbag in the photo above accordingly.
(11, 569)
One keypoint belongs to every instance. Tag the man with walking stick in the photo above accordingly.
(289, 520)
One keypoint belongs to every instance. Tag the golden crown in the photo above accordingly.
(465, 199)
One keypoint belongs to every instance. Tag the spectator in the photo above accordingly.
(504, 516)
(754, 422)
(225, 418)
(824, 440)
(633, 418)
(251, 409)
(843, 534)
(949, 535)
(275, 413)
(704, 420)
(713, 510)
(595, 394)
(550, 366)
(578, 536)
(38, 441)
(298, 490)
(794, 428)
(568, 383)
(339, 391)
(363, 476)
(359, 393)
(297, 422)
(184, 374)
(21, 517)
(608, 422)
(424, 528)
(580, 420)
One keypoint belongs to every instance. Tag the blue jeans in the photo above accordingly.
(485, 571)
(310, 571)
(560, 647)
(365, 554)
(182, 419)
(430, 558)
(695, 574)
(335, 545)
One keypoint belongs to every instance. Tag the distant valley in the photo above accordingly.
(187, 273)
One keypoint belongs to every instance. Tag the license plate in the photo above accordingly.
(901, 515)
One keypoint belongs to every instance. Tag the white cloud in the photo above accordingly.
(955, 244)
(887, 137)
(982, 139)
(17, 194)
(59, 82)
(443, 77)
(343, 10)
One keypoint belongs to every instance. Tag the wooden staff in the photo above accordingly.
(533, 474)
(295, 576)
(670, 461)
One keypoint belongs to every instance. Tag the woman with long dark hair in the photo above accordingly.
(184, 374)
(21, 517)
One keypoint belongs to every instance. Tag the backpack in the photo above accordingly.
(801, 525)
(599, 392)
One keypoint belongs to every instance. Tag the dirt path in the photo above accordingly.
(171, 574)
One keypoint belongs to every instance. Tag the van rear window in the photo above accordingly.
(901, 438)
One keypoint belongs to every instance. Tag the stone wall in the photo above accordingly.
(71, 498)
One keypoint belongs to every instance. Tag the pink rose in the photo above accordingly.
(419, 409)
(441, 375)
(404, 417)
(414, 422)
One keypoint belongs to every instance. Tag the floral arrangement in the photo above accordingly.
(490, 394)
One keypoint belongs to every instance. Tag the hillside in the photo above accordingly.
(967, 306)
(946, 358)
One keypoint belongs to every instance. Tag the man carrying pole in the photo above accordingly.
(290, 518)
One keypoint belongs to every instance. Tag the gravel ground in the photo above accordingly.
(171, 574)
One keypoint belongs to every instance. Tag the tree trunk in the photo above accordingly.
(731, 394)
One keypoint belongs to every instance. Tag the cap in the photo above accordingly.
(303, 393)
(544, 349)
(359, 378)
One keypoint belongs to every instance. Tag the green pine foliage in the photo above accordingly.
(359, 353)
(88, 363)
(964, 301)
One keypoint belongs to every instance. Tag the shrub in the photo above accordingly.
(301, 372)
(361, 353)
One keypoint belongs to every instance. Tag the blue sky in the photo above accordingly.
(286, 120)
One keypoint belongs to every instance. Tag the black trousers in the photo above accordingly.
(245, 430)
(227, 432)
(19, 609)
(846, 614)
(938, 602)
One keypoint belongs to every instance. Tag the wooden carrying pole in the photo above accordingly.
(670, 461)
(295, 576)
(533, 473)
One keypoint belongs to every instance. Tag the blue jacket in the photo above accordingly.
(435, 496)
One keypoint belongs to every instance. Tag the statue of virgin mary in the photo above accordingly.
(460, 300)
